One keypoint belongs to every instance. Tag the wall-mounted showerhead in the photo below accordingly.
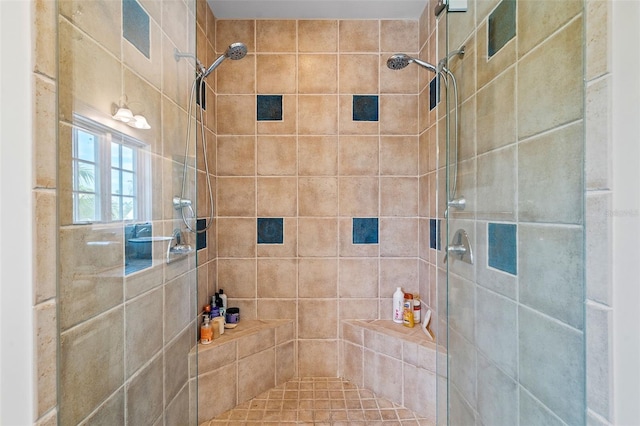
(402, 60)
(235, 51)
(398, 61)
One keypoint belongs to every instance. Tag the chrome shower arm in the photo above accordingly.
(177, 55)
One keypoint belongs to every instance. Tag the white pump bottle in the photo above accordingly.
(398, 301)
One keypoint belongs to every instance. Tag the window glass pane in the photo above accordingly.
(127, 183)
(86, 177)
(87, 208)
(127, 158)
(104, 160)
(128, 209)
(115, 154)
(115, 208)
(86, 146)
(115, 181)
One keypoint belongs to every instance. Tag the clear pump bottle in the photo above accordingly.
(206, 332)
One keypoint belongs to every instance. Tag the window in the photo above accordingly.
(109, 175)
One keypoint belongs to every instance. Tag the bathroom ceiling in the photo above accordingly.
(317, 9)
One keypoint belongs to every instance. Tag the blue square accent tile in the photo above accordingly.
(365, 230)
(434, 234)
(502, 26)
(503, 252)
(201, 237)
(135, 26)
(269, 107)
(434, 92)
(365, 108)
(270, 230)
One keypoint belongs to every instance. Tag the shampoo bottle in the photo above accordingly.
(398, 299)
(224, 299)
(219, 305)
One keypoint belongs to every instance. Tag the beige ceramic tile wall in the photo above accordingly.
(520, 161)
(104, 317)
(44, 221)
(317, 275)
(317, 168)
(598, 220)
(597, 170)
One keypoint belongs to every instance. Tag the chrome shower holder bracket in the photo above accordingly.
(181, 203)
(459, 203)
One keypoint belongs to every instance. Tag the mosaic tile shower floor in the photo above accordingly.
(318, 401)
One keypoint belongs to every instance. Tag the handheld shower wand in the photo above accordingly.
(402, 60)
(235, 51)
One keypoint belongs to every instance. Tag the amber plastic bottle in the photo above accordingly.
(407, 314)
(206, 332)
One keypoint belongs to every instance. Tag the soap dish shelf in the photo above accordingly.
(177, 251)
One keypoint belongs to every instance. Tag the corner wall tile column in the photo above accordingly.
(44, 187)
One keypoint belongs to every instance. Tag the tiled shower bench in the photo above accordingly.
(243, 362)
(395, 362)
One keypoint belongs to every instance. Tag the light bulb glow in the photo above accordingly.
(123, 114)
(139, 122)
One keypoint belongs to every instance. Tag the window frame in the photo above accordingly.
(104, 138)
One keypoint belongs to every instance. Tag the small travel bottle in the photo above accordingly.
(407, 314)
(206, 332)
(416, 308)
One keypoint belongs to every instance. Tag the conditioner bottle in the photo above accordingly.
(398, 300)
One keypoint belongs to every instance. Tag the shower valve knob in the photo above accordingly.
(461, 247)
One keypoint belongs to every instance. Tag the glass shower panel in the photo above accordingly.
(441, 224)
(515, 317)
(126, 317)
